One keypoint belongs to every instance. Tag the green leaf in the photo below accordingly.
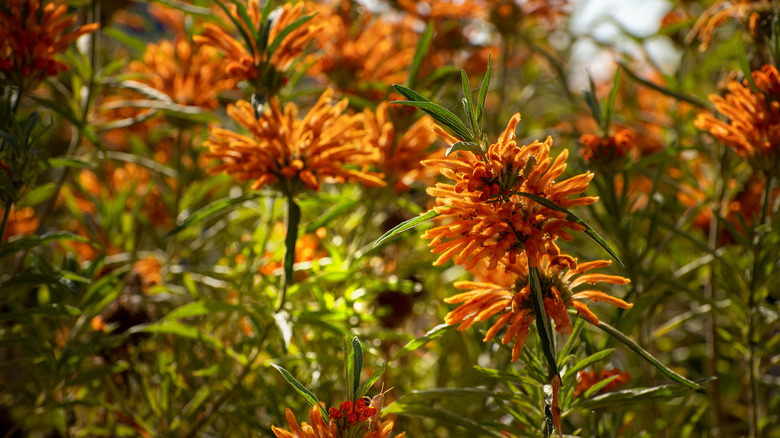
(286, 31)
(439, 113)
(609, 108)
(200, 308)
(407, 225)
(598, 386)
(464, 146)
(442, 416)
(590, 232)
(419, 54)
(331, 214)
(357, 367)
(635, 395)
(636, 348)
(468, 102)
(442, 115)
(302, 390)
(218, 206)
(584, 363)
(54, 310)
(542, 322)
(29, 242)
(69, 162)
(349, 367)
(679, 96)
(483, 90)
(745, 66)
(422, 340)
(190, 332)
(370, 382)
(247, 39)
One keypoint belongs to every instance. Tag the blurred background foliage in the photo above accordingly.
(144, 294)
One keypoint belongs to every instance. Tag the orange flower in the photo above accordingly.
(374, 52)
(721, 11)
(326, 144)
(30, 37)
(586, 379)
(400, 157)
(189, 75)
(443, 9)
(307, 249)
(610, 149)
(21, 221)
(355, 423)
(253, 63)
(148, 271)
(559, 275)
(487, 217)
(753, 129)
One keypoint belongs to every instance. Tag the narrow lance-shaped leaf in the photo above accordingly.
(483, 89)
(218, 206)
(636, 348)
(349, 367)
(438, 112)
(370, 382)
(468, 102)
(679, 96)
(542, 321)
(419, 54)
(302, 390)
(407, 225)
(442, 115)
(422, 340)
(609, 108)
(357, 367)
(590, 232)
(463, 146)
(635, 395)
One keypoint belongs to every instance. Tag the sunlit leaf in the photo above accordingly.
(422, 340)
(407, 225)
(302, 390)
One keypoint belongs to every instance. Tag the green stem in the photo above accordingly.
(290, 240)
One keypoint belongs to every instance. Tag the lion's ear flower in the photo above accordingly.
(484, 210)
(325, 146)
(348, 420)
(510, 300)
(31, 35)
(753, 126)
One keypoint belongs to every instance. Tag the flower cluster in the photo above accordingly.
(400, 157)
(189, 75)
(31, 35)
(586, 379)
(606, 150)
(376, 52)
(253, 63)
(753, 127)
(348, 420)
(349, 414)
(325, 145)
(510, 298)
(488, 215)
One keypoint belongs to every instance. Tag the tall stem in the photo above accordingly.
(290, 240)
